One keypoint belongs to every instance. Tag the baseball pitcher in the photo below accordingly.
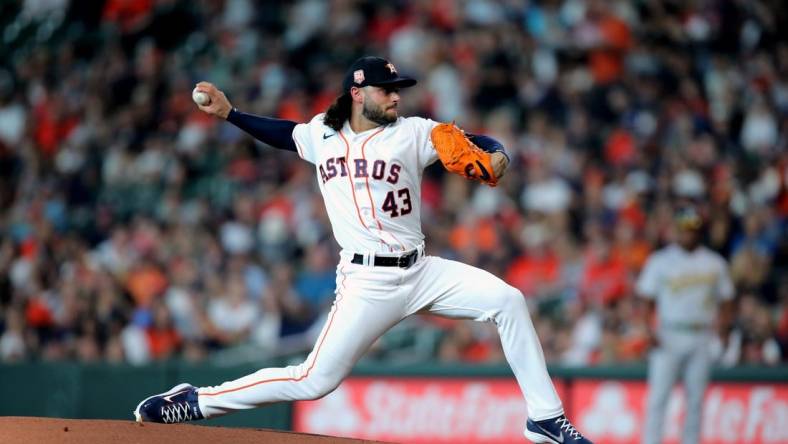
(687, 284)
(368, 165)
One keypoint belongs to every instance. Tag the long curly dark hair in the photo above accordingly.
(338, 112)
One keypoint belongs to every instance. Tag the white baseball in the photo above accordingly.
(200, 97)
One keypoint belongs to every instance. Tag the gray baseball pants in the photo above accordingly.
(682, 353)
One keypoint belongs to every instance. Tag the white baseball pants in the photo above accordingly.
(369, 301)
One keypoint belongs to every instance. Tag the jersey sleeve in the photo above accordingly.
(425, 151)
(725, 288)
(307, 137)
(647, 285)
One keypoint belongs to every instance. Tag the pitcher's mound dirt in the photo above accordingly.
(18, 430)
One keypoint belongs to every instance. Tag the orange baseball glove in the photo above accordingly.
(459, 155)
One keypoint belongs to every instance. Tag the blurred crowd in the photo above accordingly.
(135, 228)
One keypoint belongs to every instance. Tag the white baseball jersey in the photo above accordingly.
(370, 181)
(687, 285)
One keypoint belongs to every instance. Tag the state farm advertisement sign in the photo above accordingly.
(419, 410)
(613, 412)
(429, 410)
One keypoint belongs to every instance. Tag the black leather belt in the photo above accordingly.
(404, 261)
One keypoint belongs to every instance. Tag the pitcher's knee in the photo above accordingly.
(317, 385)
(511, 300)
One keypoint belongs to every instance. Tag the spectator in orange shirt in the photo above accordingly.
(537, 271)
(605, 276)
(163, 339)
(612, 40)
(145, 282)
(629, 246)
(475, 233)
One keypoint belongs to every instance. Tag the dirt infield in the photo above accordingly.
(18, 430)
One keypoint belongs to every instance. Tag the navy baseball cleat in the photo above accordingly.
(179, 404)
(553, 431)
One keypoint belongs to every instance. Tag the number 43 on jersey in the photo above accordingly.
(398, 205)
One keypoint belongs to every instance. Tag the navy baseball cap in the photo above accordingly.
(374, 71)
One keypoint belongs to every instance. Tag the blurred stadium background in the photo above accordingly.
(142, 242)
